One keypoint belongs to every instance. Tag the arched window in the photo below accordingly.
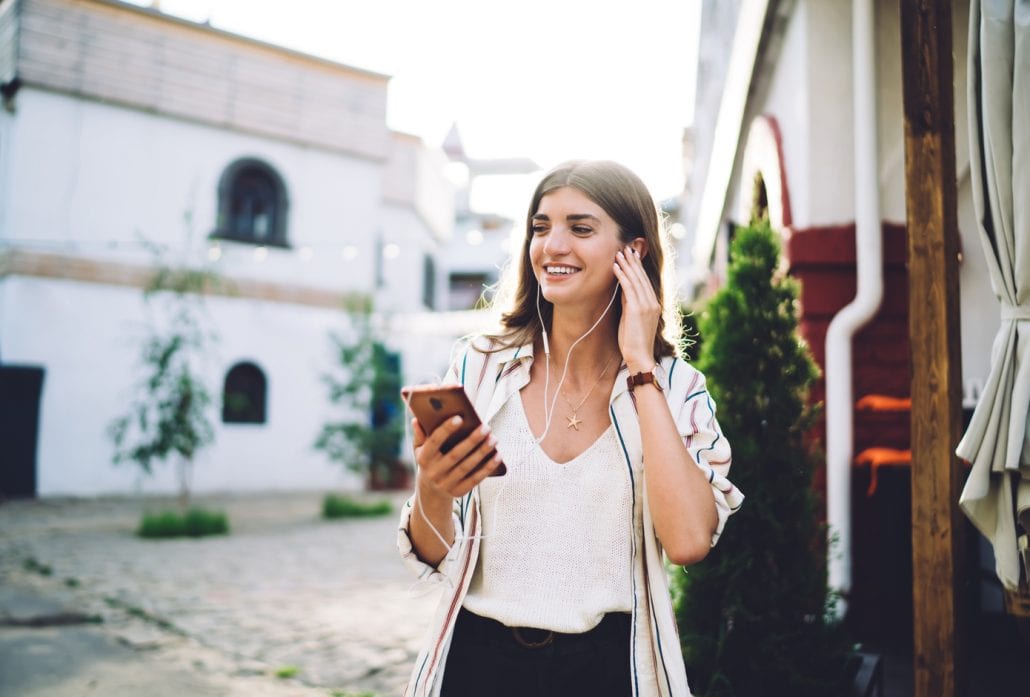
(244, 395)
(252, 204)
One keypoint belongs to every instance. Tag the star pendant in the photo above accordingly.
(573, 421)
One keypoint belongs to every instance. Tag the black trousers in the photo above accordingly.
(488, 659)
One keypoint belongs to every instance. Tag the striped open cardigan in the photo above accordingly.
(490, 379)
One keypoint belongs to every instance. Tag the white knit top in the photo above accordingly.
(558, 539)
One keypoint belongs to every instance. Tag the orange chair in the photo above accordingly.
(882, 457)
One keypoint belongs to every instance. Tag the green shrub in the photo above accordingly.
(755, 616)
(287, 672)
(334, 506)
(34, 565)
(195, 522)
(365, 433)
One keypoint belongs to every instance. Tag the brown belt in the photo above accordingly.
(613, 626)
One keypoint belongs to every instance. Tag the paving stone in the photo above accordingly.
(285, 588)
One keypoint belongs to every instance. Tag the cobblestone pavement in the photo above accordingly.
(284, 589)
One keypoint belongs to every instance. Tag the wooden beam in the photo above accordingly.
(933, 246)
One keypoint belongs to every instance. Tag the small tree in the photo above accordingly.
(364, 386)
(755, 616)
(170, 415)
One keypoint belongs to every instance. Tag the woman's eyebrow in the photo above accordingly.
(572, 217)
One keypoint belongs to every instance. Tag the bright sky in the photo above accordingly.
(546, 79)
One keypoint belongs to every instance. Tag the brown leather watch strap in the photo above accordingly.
(643, 378)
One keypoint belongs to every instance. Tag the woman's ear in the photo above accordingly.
(639, 244)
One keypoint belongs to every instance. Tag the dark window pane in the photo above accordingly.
(429, 282)
(244, 397)
(252, 204)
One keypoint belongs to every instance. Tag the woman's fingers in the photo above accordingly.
(629, 279)
(630, 286)
(427, 453)
(442, 432)
(477, 476)
(632, 267)
(418, 436)
(472, 468)
(448, 471)
(640, 308)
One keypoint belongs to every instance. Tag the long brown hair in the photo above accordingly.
(625, 198)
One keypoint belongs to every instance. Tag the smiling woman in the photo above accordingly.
(555, 570)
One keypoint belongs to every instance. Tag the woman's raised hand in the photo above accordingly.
(640, 311)
(455, 472)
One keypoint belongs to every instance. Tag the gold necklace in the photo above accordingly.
(574, 421)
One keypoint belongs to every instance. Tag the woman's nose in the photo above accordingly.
(557, 242)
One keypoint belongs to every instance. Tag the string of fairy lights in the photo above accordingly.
(216, 250)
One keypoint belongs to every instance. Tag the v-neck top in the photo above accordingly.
(557, 545)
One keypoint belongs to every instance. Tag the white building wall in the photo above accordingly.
(85, 176)
(90, 174)
(831, 147)
(88, 338)
(809, 92)
(978, 327)
(890, 106)
(810, 95)
(403, 269)
(133, 172)
(7, 125)
(788, 101)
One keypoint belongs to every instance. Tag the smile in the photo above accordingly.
(561, 270)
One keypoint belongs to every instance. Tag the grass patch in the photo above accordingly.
(334, 506)
(196, 522)
(34, 565)
(286, 672)
(72, 582)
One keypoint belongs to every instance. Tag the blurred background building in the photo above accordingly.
(775, 124)
(125, 130)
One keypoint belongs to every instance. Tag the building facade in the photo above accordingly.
(130, 138)
(784, 106)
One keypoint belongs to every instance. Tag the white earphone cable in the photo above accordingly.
(549, 410)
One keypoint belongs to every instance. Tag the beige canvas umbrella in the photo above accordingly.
(997, 442)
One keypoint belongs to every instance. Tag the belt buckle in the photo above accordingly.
(546, 641)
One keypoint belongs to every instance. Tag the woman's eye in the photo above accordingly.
(581, 230)
(539, 229)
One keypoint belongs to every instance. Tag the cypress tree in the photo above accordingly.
(754, 615)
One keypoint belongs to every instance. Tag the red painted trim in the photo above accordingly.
(774, 126)
(824, 245)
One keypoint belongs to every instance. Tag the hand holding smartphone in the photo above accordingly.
(432, 405)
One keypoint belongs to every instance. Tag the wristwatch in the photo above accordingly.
(650, 376)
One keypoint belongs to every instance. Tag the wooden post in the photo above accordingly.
(937, 559)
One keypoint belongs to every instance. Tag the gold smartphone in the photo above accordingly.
(434, 404)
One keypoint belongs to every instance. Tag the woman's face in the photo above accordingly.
(573, 249)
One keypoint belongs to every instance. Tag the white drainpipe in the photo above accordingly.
(869, 262)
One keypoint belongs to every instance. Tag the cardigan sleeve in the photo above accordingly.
(694, 412)
(426, 573)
